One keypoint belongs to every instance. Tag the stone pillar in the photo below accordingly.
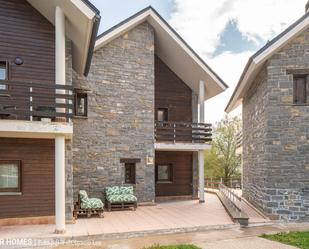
(60, 139)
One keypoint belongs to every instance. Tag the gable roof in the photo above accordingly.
(171, 49)
(81, 27)
(256, 61)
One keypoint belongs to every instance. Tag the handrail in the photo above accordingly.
(233, 204)
(233, 198)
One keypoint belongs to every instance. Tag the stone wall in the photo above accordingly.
(120, 121)
(276, 138)
(254, 134)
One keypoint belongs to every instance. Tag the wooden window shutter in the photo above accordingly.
(299, 90)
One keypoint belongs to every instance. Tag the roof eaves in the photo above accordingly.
(260, 51)
(95, 28)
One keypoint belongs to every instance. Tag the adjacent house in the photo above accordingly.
(134, 117)
(141, 127)
(273, 91)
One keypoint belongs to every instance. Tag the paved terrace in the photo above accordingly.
(166, 217)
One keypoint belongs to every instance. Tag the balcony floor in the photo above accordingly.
(178, 146)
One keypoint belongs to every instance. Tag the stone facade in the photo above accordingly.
(276, 137)
(120, 121)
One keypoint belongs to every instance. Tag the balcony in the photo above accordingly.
(180, 132)
(35, 101)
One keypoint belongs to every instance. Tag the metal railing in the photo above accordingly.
(35, 101)
(231, 197)
(182, 132)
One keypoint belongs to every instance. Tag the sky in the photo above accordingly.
(225, 33)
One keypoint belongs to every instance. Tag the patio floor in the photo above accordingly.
(167, 216)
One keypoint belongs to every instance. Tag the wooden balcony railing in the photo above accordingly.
(238, 139)
(35, 101)
(182, 132)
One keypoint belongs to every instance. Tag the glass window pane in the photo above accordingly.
(163, 172)
(160, 115)
(9, 175)
(81, 104)
(2, 73)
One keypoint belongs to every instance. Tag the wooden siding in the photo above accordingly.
(182, 173)
(37, 163)
(172, 93)
(25, 33)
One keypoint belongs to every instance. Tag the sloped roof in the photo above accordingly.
(256, 61)
(172, 50)
(82, 23)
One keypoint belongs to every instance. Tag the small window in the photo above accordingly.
(162, 114)
(81, 104)
(3, 74)
(10, 176)
(299, 89)
(164, 173)
(130, 171)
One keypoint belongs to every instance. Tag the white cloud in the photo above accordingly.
(201, 22)
(229, 66)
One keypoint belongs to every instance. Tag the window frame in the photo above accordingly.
(19, 188)
(171, 173)
(295, 91)
(132, 178)
(76, 96)
(166, 114)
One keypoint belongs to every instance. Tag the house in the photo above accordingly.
(42, 42)
(134, 117)
(141, 126)
(273, 91)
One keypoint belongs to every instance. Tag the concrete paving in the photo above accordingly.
(235, 238)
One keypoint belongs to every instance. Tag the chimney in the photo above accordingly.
(307, 6)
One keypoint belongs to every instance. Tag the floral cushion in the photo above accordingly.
(89, 202)
(112, 191)
(126, 190)
(121, 198)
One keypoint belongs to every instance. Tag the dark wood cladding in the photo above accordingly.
(182, 173)
(172, 93)
(25, 33)
(37, 183)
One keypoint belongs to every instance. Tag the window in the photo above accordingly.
(164, 173)
(129, 174)
(162, 114)
(299, 89)
(10, 176)
(3, 74)
(81, 104)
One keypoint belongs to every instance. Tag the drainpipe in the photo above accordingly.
(60, 139)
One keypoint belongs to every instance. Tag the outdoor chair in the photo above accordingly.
(120, 198)
(88, 206)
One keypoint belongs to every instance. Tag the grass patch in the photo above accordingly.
(299, 239)
(173, 247)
